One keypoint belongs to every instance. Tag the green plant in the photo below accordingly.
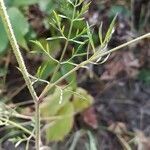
(144, 75)
(92, 144)
(54, 101)
(21, 28)
(24, 31)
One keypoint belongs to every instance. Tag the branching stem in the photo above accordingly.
(65, 46)
(17, 126)
(92, 58)
(51, 84)
(15, 47)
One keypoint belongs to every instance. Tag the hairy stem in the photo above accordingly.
(15, 47)
(92, 58)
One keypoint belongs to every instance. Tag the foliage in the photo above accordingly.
(118, 9)
(60, 105)
(92, 143)
(61, 99)
(66, 101)
(144, 75)
(54, 104)
(81, 100)
(21, 28)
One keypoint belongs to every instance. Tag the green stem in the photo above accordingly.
(15, 47)
(17, 126)
(37, 126)
(92, 58)
(65, 47)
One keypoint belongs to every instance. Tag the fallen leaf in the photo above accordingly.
(89, 117)
(124, 62)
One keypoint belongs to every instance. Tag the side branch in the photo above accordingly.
(94, 57)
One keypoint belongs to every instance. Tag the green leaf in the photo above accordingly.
(60, 128)
(110, 31)
(21, 40)
(3, 72)
(57, 18)
(63, 16)
(3, 38)
(92, 141)
(55, 38)
(24, 2)
(47, 6)
(118, 9)
(144, 75)
(38, 44)
(81, 100)
(84, 9)
(76, 137)
(46, 69)
(90, 37)
(19, 24)
(70, 1)
(41, 46)
(80, 2)
(71, 79)
(9, 3)
(78, 42)
(44, 47)
(100, 34)
(54, 47)
(52, 105)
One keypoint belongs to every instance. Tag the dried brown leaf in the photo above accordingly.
(89, 117)
(125, 62)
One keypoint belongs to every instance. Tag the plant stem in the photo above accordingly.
(120, 46)
(37, 126)
(92, 58)
(66, 44)
(15, 47)
(17, 126)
